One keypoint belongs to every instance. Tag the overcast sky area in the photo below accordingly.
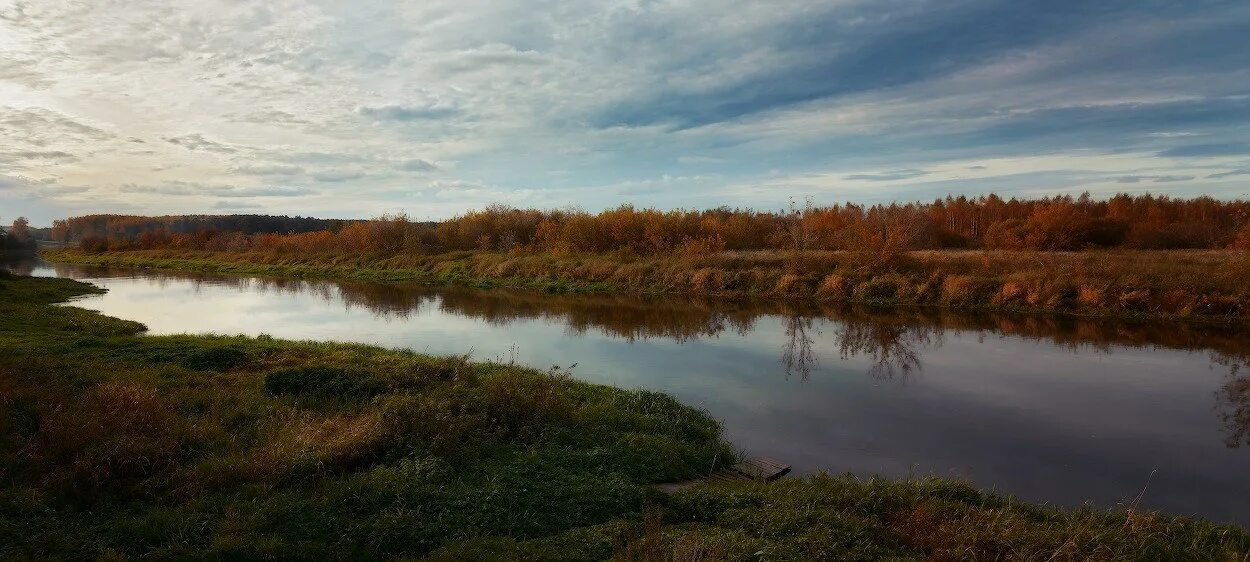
(354, 109)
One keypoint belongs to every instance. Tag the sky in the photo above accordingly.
(355, 109)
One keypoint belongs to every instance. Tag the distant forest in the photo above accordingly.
(989, 222)
(132, 227)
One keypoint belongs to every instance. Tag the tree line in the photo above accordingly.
(132, 227)
(1062, 223)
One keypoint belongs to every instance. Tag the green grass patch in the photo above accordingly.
(324, 382)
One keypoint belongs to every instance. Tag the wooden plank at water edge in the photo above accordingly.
(749, 470)
(761, 468)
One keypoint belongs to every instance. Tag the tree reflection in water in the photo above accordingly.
(893, 348)
(797, 356)
(17, 265)
(1232, 400)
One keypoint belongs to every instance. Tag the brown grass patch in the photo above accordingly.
(790, 285)
(116, 431)
(707, 279)
(300, 441)
(835, 286)
(1091, 296)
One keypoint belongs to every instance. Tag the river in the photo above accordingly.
(1049, 409)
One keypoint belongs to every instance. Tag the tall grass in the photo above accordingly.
(1177, 284)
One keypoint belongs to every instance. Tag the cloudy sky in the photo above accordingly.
(353, 109)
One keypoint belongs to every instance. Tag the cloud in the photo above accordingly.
(1154, 179)
(13, 182)
(817, 52)
(55, 155)
(270, 117)
(1229, 174)
(417, 165)
(408, 113)
(32, 188)
(1204, 150)
(338, 176)
(323, 158)
(23, 71)
(454, 185)
(235, 205)
(699, 160)
(40, 127)
(888, 176)
(198, 142)
(267, 170)
(489, 56)
(862, 95)
(183, 189)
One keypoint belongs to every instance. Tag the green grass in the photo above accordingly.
(114, 444)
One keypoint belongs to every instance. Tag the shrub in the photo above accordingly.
(517, 399)
(214, 359)
(961, 290)
(880, 288)
(324, 382)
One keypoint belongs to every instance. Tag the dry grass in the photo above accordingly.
(1171, 284)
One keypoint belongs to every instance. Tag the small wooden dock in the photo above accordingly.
(754, 469)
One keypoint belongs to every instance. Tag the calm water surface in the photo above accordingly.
(1049, 409)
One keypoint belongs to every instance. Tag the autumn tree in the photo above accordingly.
(887, 232)
(20, 231)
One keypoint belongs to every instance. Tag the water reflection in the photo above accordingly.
(893, 337)
(1061, 409)
(1233, 400)
(895, 347)
(797, 355)
(18, 265)
(894, 340)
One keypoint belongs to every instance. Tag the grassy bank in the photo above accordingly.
(1198, 285)
(116, 445)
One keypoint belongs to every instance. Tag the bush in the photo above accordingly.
(324, 382)
(1177, 236)
(880, 288)
(214, 359)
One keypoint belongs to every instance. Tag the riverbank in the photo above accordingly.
(1188, 285)
(194, 446)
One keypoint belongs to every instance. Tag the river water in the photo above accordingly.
(1054, 410)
